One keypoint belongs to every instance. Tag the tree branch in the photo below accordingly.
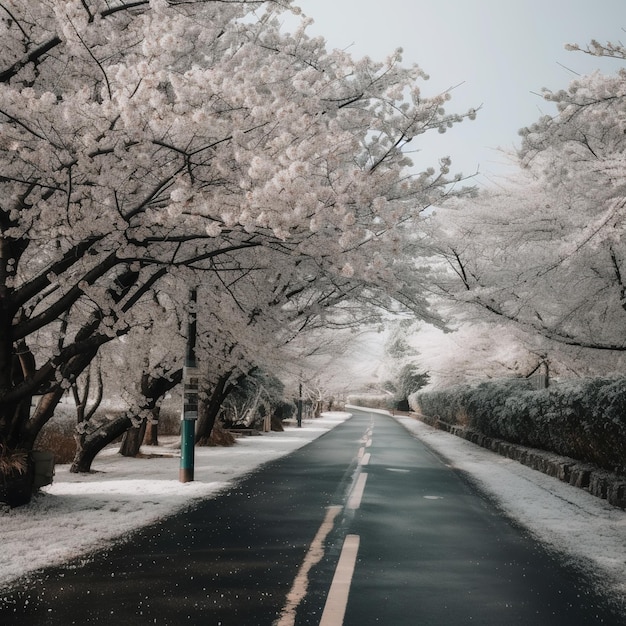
(33, 56)
(32, 324)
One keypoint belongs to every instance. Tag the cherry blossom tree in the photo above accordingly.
(142, 366)
(141, 137)
(247, 320)
(545, 251)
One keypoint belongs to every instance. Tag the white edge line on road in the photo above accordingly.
(355, 498)
(337, 601)
(301, 582)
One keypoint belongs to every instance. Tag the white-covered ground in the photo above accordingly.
(79, 513)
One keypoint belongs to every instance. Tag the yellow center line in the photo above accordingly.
(355, 498)
(313, 556)
(337, 600)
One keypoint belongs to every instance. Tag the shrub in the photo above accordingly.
(585, 420)
(169, 420)
(58, 437)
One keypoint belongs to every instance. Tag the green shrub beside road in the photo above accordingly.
(584, 420)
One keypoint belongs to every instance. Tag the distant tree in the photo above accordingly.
(254, 398)
(142, 367)
(410, 380)
(404, 373)
(86, 399)
(473, 351)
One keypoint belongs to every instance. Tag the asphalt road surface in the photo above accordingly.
(363, 526)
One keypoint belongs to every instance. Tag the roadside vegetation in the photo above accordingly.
(583, 420)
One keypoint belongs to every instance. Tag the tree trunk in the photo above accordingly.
(207, 411)
(132, 440)
(9, 255)
(14, 414)
(18, 429)
(151, 437)
(43, 413)
(49, 402)
(152, 389)
(276, 423)
(88, 446)
(146, 433)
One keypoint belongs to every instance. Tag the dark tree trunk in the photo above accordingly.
(10, 251)
(277, 424)
(18, 429)
(208, 410)
(152, 389)
(49, 401)
(88, 446)
(132, 440)
(43, 413)
(13, 415)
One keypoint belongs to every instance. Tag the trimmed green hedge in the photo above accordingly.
(585, 420)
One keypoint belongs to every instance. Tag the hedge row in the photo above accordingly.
(585, 420)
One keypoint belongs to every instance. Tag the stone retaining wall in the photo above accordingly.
(595, 480)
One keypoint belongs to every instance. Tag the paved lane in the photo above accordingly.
(426, 550)
(229, 561)
(433, 552)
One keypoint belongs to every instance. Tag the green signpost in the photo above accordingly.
(190, 397)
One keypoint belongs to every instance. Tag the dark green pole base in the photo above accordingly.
(187, 450)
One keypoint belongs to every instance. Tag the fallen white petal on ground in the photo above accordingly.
(80, 513)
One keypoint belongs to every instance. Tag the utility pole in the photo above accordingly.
(190, 396)
(300, 406)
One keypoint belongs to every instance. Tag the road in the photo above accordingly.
(365, 525)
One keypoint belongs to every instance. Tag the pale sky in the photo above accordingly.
(498, 52)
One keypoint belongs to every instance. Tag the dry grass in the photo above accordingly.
(59, 439)
(12, 461)
(169, 421)
(58, 436)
